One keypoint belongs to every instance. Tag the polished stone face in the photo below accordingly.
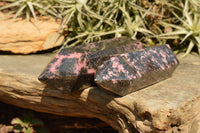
(132, 71)
(119, 65)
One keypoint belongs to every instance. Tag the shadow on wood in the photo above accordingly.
(51, 123)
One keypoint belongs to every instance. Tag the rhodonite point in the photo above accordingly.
(119, 65)
(132, 71)
(74, 68)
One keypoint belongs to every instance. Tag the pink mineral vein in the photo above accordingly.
(115, 61)
(57, 63)
(114, 81)
(53, 67)
(91, 71)
(74, 55)
(121, 68)
(80, 65)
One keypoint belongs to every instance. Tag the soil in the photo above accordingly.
(52, 123)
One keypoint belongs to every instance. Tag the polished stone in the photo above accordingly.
(132, 71)
(74, 68)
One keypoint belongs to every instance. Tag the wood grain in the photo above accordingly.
(169, 106)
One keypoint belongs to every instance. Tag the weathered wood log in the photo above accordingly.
(169, 106)
(119, 65)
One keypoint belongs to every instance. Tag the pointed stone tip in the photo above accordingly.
(42, 77)
(45, 75)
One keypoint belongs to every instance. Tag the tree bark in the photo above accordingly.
(169, 106)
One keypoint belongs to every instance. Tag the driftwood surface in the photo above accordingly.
(169, 106)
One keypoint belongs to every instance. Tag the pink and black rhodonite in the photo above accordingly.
(132, 71)
(75, 68)
(118, 65)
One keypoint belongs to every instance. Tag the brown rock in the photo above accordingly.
(169, 106)
(23, 37)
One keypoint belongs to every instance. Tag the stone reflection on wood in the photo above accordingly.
(119, 65)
